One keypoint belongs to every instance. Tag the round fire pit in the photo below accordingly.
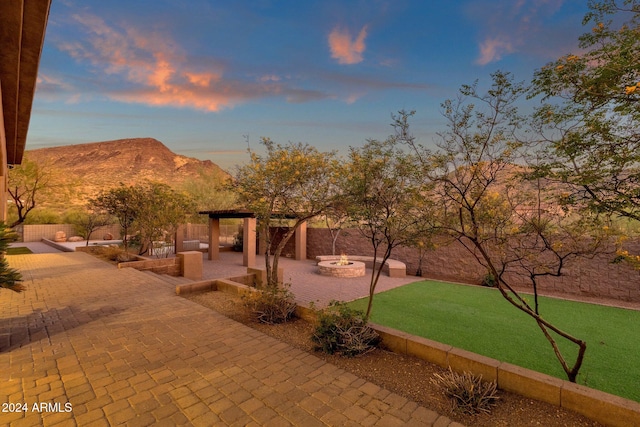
(337, 269)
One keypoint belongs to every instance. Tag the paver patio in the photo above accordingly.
(119, 347)
(307, 284)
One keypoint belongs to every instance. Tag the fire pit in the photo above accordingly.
(342, 268)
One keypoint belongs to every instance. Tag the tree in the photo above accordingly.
(506, 218)
(590, 119)
(89, 221)
(335, 218)
(27, 183)
(159, 212)
(9, 278)
(153, 210)
(294, 182)
(122, 203)
(385, 195)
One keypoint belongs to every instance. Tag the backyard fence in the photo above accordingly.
(37, 232)
(598, 277)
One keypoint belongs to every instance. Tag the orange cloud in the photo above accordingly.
(158, 71)
(203, 79)
(344, 49)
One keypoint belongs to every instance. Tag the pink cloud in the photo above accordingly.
(492, 50)
(159, 72)
(344, 48)
(50, 87)
(508, 26)
(203, 79)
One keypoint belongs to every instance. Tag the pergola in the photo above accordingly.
(248, 235)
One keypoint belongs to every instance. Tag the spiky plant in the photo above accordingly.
(9, 278)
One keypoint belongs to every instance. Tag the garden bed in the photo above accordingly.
(479, 320)
(404, 375)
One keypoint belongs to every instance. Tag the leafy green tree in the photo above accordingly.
(385, 199)
(28, 183)
(159, 211)
(294, 182)
(153, 210)
(509, 220)
(86, 222)
(122, 203)
(590, 119)
(9, 278)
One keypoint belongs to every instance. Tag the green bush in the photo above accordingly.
(468, 392)
(73, 216)
(272, 305)
(489, 280)
(43, 216)
(343, 330)
(10, 278)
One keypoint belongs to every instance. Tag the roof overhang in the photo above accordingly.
(229, 213)
(22, 29)
(243, 213)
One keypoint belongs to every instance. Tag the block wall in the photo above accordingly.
(597, 278)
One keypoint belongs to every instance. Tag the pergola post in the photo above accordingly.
(301, 242)
(249, 242)
(179, 240)
(214, 238)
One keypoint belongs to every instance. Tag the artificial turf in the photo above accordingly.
(480, 320)
(19, 250)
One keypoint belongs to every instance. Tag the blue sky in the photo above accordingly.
(202, 75)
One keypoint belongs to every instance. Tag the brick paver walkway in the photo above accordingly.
(90, 345)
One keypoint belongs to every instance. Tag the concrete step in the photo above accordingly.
(172, 280)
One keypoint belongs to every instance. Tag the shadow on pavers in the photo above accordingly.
(42, 324)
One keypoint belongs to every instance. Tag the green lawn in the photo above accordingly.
(480, 320)
(20, 250)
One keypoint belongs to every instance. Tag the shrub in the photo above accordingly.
(43, 216)
(272, 305)
(114, 253)
(343, 330)
(10, 278)
(489, 280)
(468, 392)
(238, 239)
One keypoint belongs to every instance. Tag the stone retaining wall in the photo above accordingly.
(168, 266)
(605, 408)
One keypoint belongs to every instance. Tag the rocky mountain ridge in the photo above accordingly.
(98, 166)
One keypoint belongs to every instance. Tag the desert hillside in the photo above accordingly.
(97, 166)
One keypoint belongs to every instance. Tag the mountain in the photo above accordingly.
(98, 166)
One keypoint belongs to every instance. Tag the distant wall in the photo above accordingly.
(200, 232)
(451, 261)
(37, 232)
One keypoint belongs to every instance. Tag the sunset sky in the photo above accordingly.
(203, 76)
